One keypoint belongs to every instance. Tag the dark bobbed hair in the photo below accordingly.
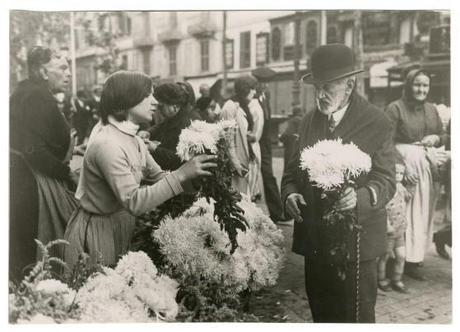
(243, 86)
(37, 56)
(122, 91)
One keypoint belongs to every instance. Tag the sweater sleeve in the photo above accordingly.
(120, 177)
(37, 122)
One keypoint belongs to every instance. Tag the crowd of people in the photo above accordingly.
(128, 130)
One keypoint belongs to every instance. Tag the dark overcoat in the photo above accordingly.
(39, 139)
(368, 128)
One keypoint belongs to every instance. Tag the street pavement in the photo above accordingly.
(429, 302)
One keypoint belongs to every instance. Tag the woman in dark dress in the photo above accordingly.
(175, 103)
(41, 146)
(417, 130)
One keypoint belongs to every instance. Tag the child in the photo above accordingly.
(396, 226)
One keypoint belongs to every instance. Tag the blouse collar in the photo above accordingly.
(126, 127)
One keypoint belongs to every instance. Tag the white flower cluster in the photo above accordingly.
(330, 163)
(56, 288)
(196, 246)
(200, 135)
(126, 293)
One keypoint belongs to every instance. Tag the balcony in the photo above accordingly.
(170, 36)
(143, 42)
(202, 29)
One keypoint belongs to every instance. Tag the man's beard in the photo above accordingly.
(327, 107)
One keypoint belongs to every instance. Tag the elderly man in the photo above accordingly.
(341, 113)
(41, 145)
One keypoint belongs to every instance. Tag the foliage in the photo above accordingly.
(39, 298)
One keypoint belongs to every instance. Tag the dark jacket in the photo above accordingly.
(368, 128)
(39, 130)
(167, 132)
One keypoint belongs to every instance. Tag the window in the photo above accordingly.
(261, 49)
(124, 62)
(229, 54)
(204, 47)
(376, 29)
(276, 44)
(172, 50)
(332, 35)
(312, 36)
(245, 49)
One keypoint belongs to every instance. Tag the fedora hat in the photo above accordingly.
(331, 62)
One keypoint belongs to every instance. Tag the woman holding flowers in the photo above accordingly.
(115, 162)
(417, 128)
(342, 117)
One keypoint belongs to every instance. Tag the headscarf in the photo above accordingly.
(407, 92)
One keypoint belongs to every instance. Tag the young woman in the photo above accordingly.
(244, 156)
(417, 126)
(115, 162)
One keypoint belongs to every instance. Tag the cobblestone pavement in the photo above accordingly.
(429, 302)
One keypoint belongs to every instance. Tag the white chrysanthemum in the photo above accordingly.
(134, 265)
(195, 245)
(192, 143)
(330, 163)
(56, 287)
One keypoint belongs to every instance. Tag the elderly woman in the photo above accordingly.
(417, 129)
(114, 164)
(246, 147)
(41, 145)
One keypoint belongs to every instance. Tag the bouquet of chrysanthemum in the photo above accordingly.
(128, 293)
(333, 166)
(197, 251)
(215, 138)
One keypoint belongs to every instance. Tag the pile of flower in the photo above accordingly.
(196, 250)
(132, 292)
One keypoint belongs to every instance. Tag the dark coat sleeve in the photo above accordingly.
(166, 158)
(39, 123)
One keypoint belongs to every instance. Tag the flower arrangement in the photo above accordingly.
(333, 166)
(133, 291)
(197, 251)
(128, 293)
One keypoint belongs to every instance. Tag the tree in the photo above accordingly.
(27, 29)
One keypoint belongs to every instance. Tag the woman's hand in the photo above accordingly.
(196, 167)
(152, 145)
(347, 200)
(431, 140)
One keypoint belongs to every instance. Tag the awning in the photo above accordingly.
(378, 74)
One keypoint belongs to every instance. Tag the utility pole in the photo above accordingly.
(358, 48)
(72, 54)
(224, 46)
(323, 28)
(295, 83)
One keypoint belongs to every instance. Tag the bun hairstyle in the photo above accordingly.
(171, 94)
(121, 91)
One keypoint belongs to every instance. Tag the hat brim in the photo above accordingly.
(309, 79)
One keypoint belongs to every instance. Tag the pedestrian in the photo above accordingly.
(174, 104)
(82, 119)
(396, 246)
(417, 128)
(41, 145)
(242, 153)
(271, 189)
(291, 133)
(255, 170)
(115, 162)
(341, 113)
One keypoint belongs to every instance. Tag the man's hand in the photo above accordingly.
(293, 203)
(347, 200)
